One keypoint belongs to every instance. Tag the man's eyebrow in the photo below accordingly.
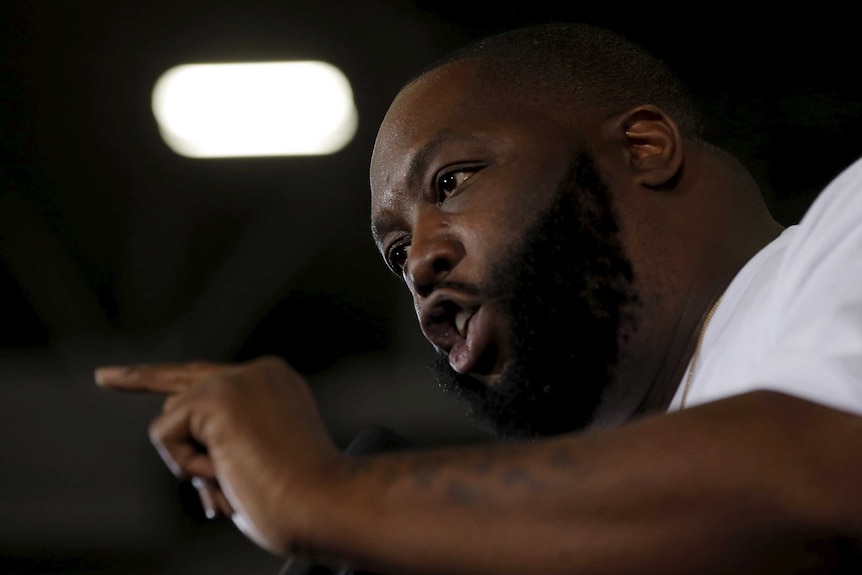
(383, 220)
(423, 155)
(418, 163)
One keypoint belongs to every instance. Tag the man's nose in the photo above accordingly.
(434, 253)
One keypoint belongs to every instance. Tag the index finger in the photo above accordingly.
(166, 378)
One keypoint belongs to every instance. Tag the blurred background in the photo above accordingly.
(115, 249)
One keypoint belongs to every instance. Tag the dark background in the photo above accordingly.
(113, 249)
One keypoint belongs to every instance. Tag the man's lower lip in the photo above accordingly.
(461, 355)
(464, 354)
(459, 359)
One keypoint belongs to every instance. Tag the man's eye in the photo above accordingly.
(397, 258)
(447, 184)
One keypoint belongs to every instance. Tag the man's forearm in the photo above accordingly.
(742, 485)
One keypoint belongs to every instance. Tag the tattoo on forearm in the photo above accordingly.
(561, 457)
(463, 494)
(517, 477)
(465, 478)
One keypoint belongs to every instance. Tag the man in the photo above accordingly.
(676, 379)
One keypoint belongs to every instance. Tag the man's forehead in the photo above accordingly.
(434, 95)
(418, 122)
(446, 90)
(439, 106)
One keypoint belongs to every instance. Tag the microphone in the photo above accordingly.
(372, 439)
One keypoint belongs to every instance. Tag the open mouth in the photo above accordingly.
(465, 330)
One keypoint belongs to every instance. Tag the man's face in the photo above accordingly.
(568, 292)
(506, 239)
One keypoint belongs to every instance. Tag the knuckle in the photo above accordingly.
(199, 365)
(169, 403)
(219, 390)
(272, 365)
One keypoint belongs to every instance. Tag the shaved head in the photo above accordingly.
(572, 63)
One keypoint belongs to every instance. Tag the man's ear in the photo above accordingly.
(653, 145)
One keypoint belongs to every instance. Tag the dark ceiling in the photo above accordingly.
(114, 249)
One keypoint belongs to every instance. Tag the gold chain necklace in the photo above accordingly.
(697, 352)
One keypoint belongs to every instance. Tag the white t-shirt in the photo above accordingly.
(791, 319)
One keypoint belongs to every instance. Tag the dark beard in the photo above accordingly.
(570, 292)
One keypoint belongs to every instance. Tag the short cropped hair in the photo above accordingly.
(603, 71)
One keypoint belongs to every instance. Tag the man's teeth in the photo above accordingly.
(461, 320)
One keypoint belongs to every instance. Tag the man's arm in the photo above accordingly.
(756, 483)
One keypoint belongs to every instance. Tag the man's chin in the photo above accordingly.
(486, 398)
(490, 381)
